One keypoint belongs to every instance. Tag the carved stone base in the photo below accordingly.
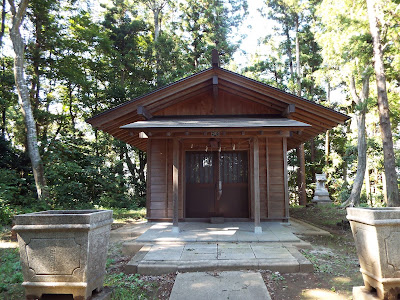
(63, 252)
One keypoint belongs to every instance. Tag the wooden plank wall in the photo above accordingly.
(271, 178)
(276, 190)
(263, 178)
(159, 201)
(159, 188)
(227, 104)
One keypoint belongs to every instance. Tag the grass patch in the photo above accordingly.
(10, 275)
(123, 215)
(128, 286)
(330, 217)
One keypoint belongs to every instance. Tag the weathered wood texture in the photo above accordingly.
(160, 184)
(235, 95)
(256, 182)
(276, 171)
(226, 104)
(272, 175)
(176, 174)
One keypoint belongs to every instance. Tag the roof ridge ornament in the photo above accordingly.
(215, 58)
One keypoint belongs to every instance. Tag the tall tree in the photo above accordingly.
(208, 24)
(18, 14)
(361, 110)
(352, 56)
(289, 14)
(300, 150)
(375, 24)
(156, 7)
(3, 21)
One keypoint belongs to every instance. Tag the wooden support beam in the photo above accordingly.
(142, 111)
(143, 135)
(256, 186)
(285, 177)
(215, 58)
(215, 80)
(148, 181)
(175, 185)
(284, 133)
(289, 110)
(215, 93)
(268, 177)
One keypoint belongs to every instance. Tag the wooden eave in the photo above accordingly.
(319, 117)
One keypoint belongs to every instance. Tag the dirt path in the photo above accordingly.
(334, 259)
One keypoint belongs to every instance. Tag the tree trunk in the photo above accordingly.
(298, 67)
(327, 139)
(312, 159)
(301, 173)
(23, 97)
(289, 51)
(156, 8)
(354, 198)
(142, 164)
(131, 165)
(3, 122)
(368, 185)
(300, 150)
(3, 20)
(327, 148)
(156, 14)
(2, 29)
(383, 107)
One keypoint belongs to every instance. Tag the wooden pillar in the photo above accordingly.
(175, 185)
(268, 175)
(301, 180)
(286, 177)
(148, 179)
(256, 186)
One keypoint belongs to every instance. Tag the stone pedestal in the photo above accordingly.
(321, 195)
(361, 293)
(376, 233)
(63, 252)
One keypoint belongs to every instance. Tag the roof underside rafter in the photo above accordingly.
(204, 84)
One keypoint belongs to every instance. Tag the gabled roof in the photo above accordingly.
(215, 123)
(319, 117)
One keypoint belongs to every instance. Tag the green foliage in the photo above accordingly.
(277, 276)
(205, 25)
(10, 275)
(79, 64)
(79, 179)
(318, 266)
(16, 191)
(123, 215)
(127, 286)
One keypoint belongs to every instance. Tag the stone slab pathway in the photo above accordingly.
(194, 257)
(232, 285)
(226, 232)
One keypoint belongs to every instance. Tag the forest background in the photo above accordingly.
(81, 59)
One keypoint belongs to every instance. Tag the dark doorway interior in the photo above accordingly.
(217, 184)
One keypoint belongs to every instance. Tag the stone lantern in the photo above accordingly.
(321, 195)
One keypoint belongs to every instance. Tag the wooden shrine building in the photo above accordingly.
(217, 145)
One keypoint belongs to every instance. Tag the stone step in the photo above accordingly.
(197, 257)
(130, 231)
(131, 247)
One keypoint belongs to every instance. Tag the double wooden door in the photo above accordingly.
(217, 184)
